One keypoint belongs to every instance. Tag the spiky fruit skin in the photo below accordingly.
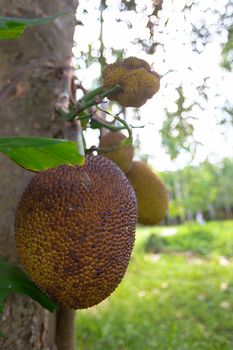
(123, 156)
(75, 230)
(137, 81)
(152, 196)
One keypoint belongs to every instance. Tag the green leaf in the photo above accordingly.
(37, 154)
(15, 280)
(13, 28)
(12, 32)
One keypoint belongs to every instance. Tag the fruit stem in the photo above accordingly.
(128, 127)
(107, 125)
(92, 98)
(65, 332)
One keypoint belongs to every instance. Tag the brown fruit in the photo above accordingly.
(122, 156)
(75, 230)
(152, 196)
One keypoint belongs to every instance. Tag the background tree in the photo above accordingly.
(190, 91)
(205, 188)
(225, 191)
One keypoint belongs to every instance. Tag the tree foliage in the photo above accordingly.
(177, 130)
(206, 188)
(201, 24)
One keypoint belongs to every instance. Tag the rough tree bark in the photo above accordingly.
(31, 71)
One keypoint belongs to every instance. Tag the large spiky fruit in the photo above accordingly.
(152, 196)
(122, 155)
(75, 231)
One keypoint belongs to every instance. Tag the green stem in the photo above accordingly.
(111, 91)
(91, 100)
(91, 94)
(108, 125)
(126, 126)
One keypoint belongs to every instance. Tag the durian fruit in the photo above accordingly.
(75, 229)
(122, 155)
(151, 194)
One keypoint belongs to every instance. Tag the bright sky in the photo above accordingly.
(178, 56)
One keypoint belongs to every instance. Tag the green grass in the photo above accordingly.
(177, 294)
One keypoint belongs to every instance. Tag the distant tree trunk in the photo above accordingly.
(179, 220)
(189, 216)
(212, 212)
(31, 72)
(228, 210)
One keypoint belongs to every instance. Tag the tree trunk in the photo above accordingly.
(31, 79)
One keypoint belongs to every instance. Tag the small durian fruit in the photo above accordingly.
(122, 155)
(151, 194)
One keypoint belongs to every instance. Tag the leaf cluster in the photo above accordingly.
(177, 129)
(200, 188)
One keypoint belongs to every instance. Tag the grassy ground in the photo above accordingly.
(177, 294)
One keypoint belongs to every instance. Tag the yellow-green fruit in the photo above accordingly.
(123, 156)
(152, 196)
(75, 230)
